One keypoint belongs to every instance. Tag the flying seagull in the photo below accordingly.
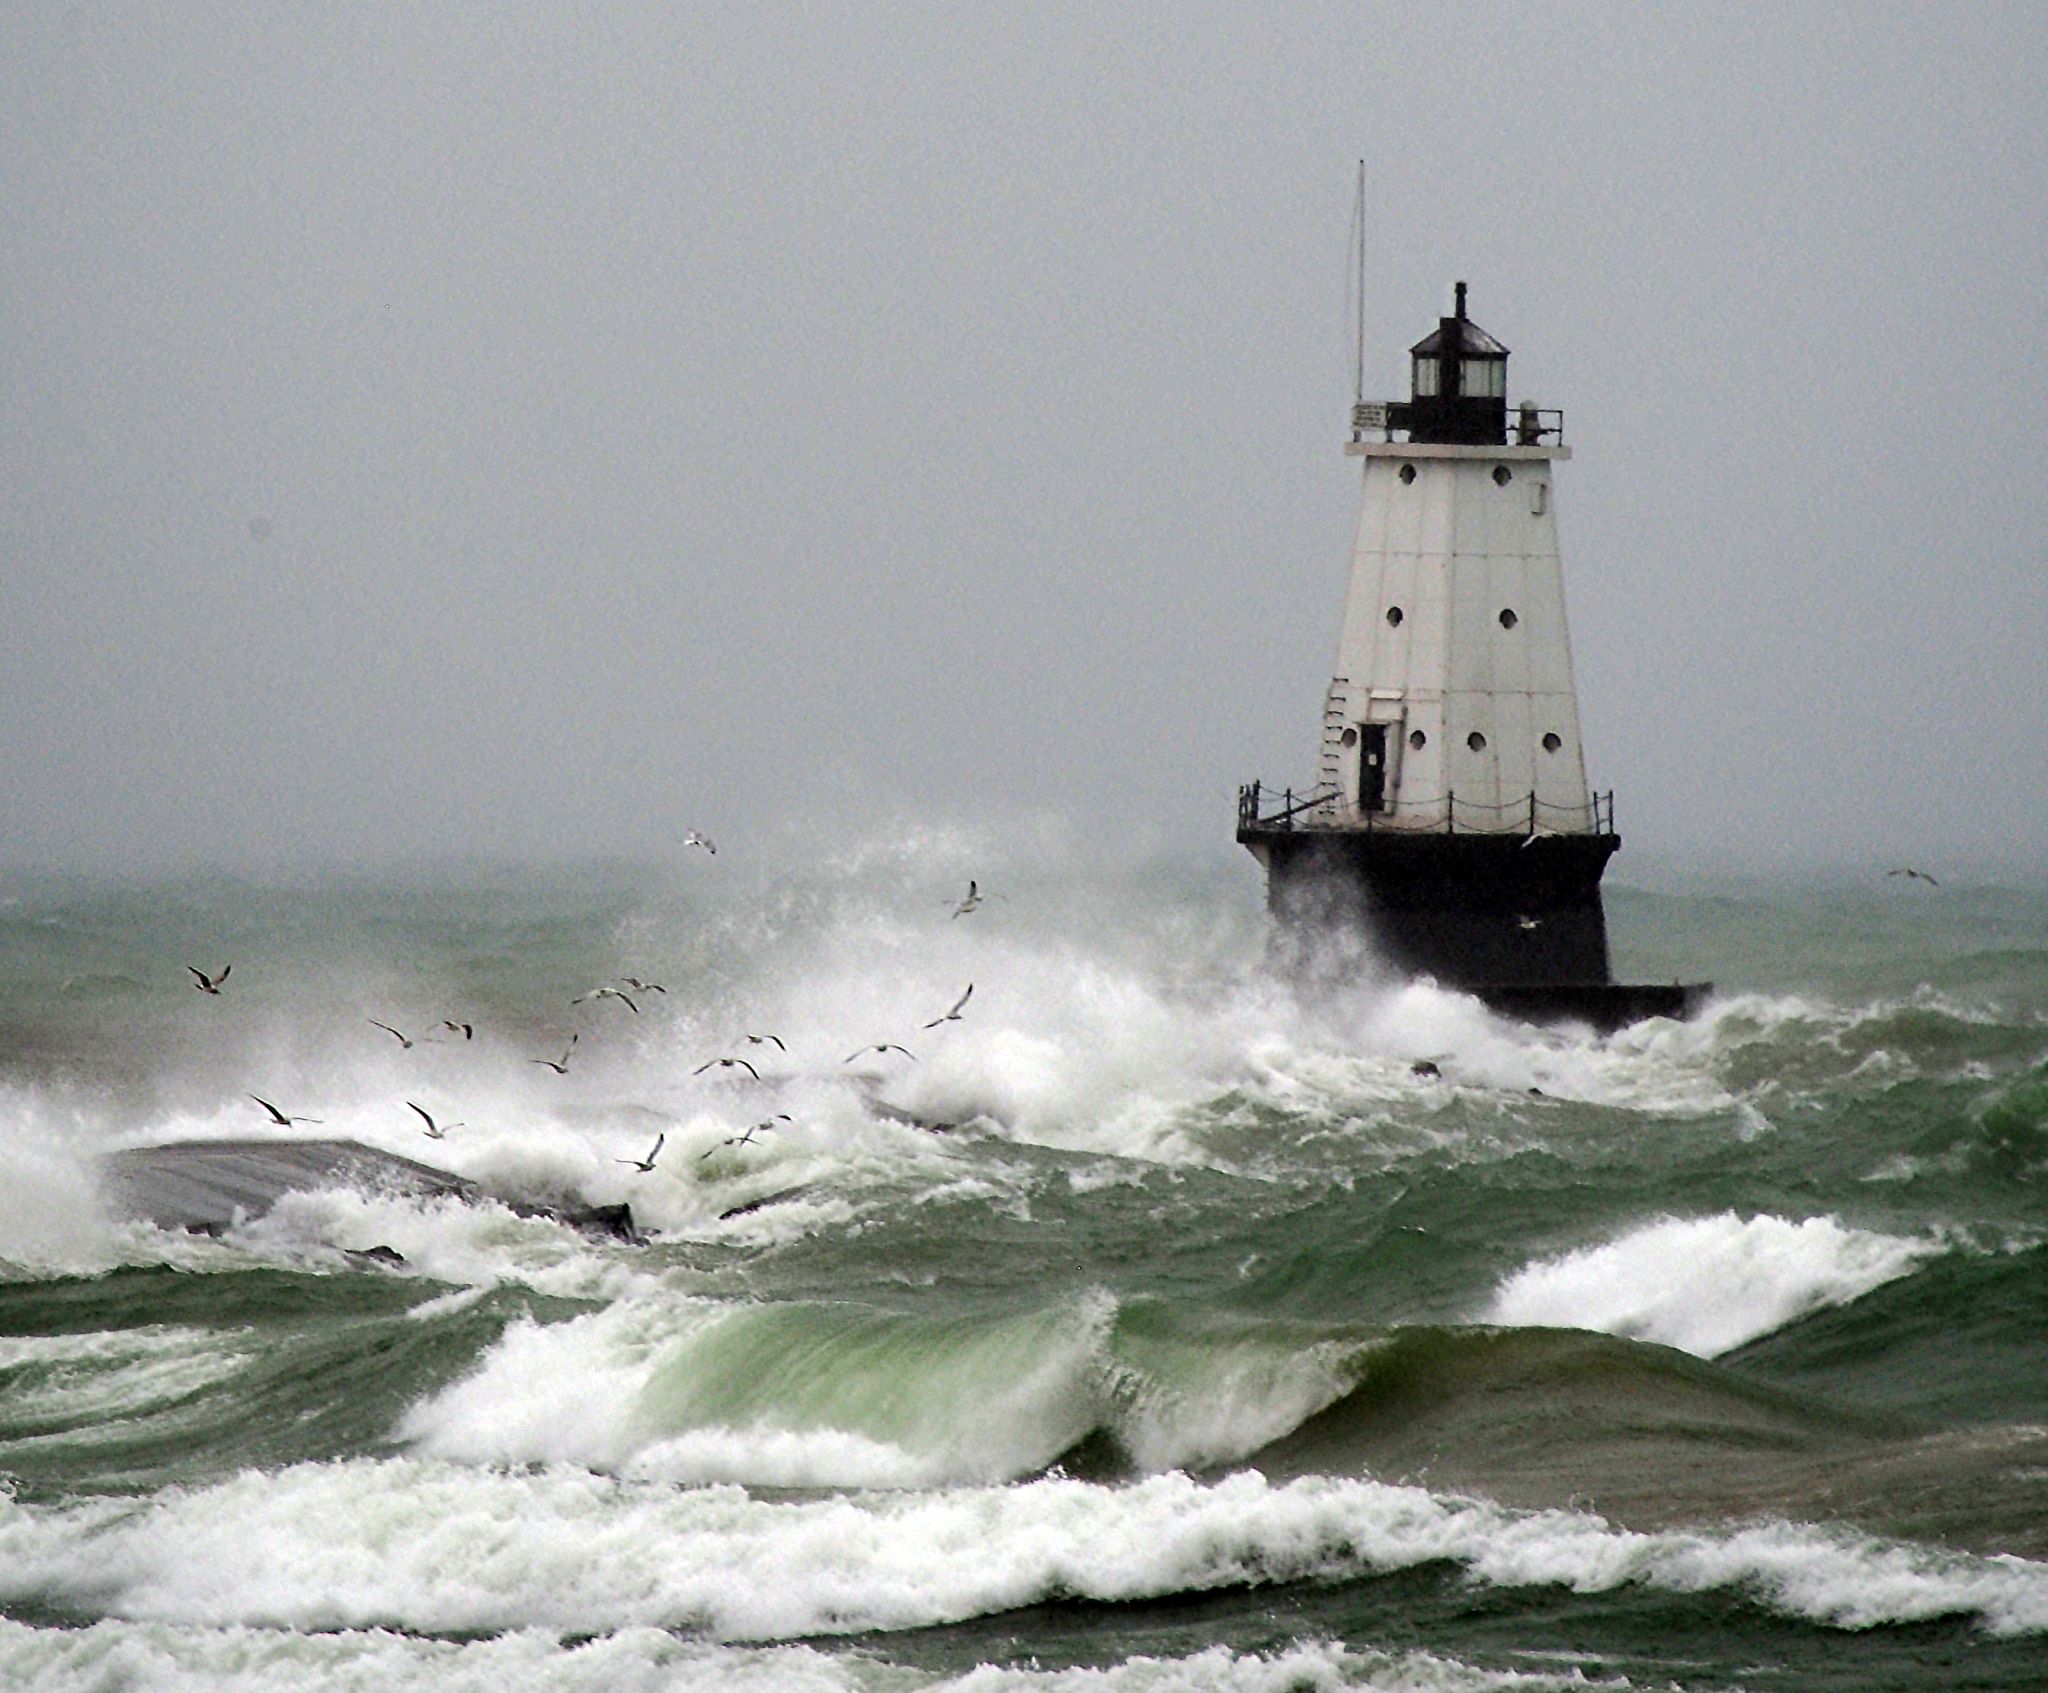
(1904, 870)
(210, 984)
(607, 993)
(277, 1116)
(953, 1016)
(435, 1130)
(393, 1033)
(727, 1063)
(559, 1066)
(646, 1165)
(466, 1030)
(881, 1046)
(974, 901)
(764, 1040)
(1527, 923)
(747, 1138)
(698, 838)
(638, 986)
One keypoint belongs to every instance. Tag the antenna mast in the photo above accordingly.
(1358, 216)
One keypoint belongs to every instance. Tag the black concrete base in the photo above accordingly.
(1466, 909)
(1606, 1006)
(1515, 919)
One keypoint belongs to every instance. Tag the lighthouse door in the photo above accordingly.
(1372, 767)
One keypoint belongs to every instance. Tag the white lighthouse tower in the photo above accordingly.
(1450, 814)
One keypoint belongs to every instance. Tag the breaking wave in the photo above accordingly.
(1706, 1284)
(428, 1547)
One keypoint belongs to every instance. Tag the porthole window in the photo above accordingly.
(1349, 737)
(1417, 739)
(1508, 619)
(1551, 743)
(1502, 476)
(1476, 741)
(1394, 616)
(1407, 473)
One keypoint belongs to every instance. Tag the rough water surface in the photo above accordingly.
(1147, 1327)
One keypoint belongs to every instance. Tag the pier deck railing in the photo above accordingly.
(1325, 808)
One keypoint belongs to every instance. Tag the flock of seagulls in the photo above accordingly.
(451, 1027)
(627, 986)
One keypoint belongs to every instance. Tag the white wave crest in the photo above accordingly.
(437, 1549)
(1705, 1284)
(646, 1660)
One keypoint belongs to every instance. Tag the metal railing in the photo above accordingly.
(1529, 425)
(1326, 808)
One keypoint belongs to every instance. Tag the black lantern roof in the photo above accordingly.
(1460, 337)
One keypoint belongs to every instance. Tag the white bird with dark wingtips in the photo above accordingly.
(747, 1138)
(767, 1040)
(466, 1030)
(726, 1064)
(1905, 870)
(638, 986)
(210, 984)
(403, 1040)
(560, 1066)
(646, 1165)
(434, 1130)
(607, 993)
(277, 1116)
(881, 1046)
(974, 901)
(953, 1016)
(697, 838)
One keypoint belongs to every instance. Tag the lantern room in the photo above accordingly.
(1458, 391)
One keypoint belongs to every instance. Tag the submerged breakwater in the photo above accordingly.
(1142, 1327)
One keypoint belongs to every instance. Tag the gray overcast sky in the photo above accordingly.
(462, 429)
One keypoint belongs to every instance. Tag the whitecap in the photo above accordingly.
(1705, 1284)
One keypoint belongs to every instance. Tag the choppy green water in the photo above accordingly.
(1213, 1348)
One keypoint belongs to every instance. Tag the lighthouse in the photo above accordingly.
(1449, 818)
